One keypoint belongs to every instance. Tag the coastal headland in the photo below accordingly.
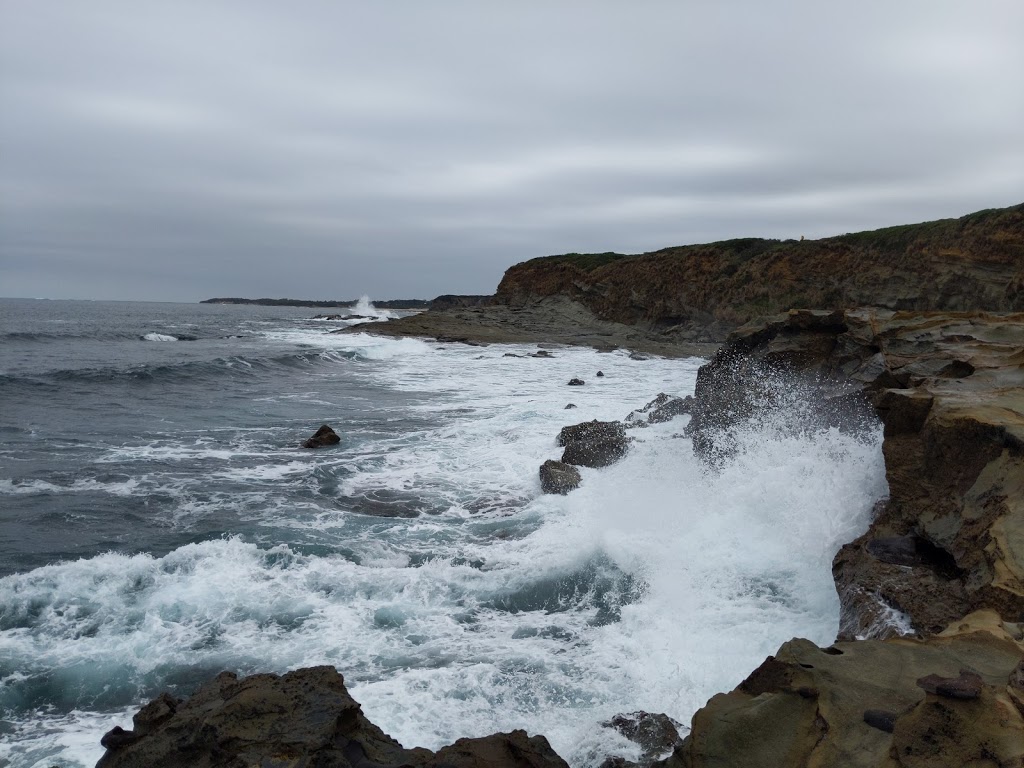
(918, 327)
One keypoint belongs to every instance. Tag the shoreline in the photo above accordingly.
(550, 321)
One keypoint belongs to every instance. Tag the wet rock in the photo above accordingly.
(570, 405)
(655, 734)
(541, 353)
(593, 443)
(322, 437)
(944, 542)
(599, 374)
(574, 382)
(591, 430)
(661, 409)
(302, 718)
(557, 477)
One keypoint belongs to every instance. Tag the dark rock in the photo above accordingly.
(966, 686)
(655, 734)
(882, 719)
(590, 430)
(556, 477)
(600, 374)
(593, 443)
(502, 750)
(511, 354)
(570, 405)
(541, 353)
(302, 718)
(118, 737)
(322, 437)
(576, 382)
(595, 453)
(661, 409)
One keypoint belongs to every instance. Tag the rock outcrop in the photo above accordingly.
(322, 438)
(661, 409)
(862, 704)
(944, 553)
(699, 293)
(949, 389)
(557, 477)
(302, 718)
(593, 443)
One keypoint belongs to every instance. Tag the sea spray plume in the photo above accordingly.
(752, 397)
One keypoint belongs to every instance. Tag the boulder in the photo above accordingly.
(655, 734)
(322, 437)
(574, 382)
(302, 718)
(556, 477)
(570, 405)
(599, 374)
(593, 443)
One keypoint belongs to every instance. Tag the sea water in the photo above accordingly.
(160, 524)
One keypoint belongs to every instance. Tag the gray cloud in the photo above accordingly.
(319, 149)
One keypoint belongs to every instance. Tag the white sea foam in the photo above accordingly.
(653, 586)
(159, 337)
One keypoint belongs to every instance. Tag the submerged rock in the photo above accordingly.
(302, 718)
(322, 437)
(556, 477)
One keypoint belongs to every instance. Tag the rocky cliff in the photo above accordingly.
(942, 563)
(702, 292)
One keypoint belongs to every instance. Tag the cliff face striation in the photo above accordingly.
(702, 292)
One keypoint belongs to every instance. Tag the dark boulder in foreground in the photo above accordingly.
(556, 477)
(593, 443)
(574, 382)
(322, 437)
(302, 718)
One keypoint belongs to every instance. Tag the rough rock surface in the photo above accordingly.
(949, 389)
(301, 719)
(656, 734)
(593, 443)
(556, 477)
(661, 409)
(858, 705)
(701, 292)
(322, 437)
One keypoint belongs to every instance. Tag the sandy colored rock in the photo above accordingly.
(805, 707)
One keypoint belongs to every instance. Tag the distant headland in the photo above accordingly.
(388, 304)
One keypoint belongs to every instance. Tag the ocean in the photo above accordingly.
(159, 523)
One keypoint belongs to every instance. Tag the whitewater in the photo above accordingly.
(160, 525)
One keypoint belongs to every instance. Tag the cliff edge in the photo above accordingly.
(702, 292)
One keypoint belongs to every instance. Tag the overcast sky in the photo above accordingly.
(181, 150)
